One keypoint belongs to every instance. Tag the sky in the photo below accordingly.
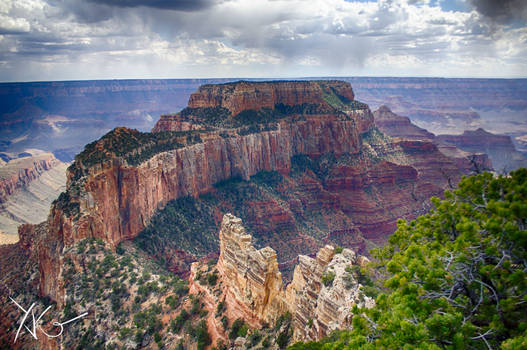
(122, 39)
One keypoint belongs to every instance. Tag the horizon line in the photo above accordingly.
(265, 78)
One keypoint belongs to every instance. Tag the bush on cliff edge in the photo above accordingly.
(454, 278)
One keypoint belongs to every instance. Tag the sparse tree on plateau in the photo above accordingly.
(455, 278)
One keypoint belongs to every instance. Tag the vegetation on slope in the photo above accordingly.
(189, 223)
(192, 224)
(455, 278)
(133, 146)
(185, 223)
(337, 101)
(132, 302)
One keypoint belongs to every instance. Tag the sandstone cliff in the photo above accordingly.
(398, 126)
(30, 184)
(500, 148)
(343, 180)
(319, 298)
(242, 96)
(251, 277)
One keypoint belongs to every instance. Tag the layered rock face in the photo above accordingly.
(242, 96)
(118, 200)
(19, 173)
(174, 123)
(398, 126)
(251, 277)
(469, 159)
(317, 307)
(500, 148)
(30, 185)
(320, 297)
(349, 177)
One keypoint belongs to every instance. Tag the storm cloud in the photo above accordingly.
(101, 39)
(502, 11)
(177, 5)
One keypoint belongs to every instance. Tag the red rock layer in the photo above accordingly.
(240, 96)
(120, 199)
(397, 126)
(21, 172)
(173, 123)
(478, 140)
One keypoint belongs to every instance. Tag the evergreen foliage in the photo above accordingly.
(455, 278)
(184, 223)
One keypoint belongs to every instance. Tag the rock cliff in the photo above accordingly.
(20, 172)
(253, 283)
(341, 179)
(500, 148)
(319, 298)
(398, 126)
(242, 96)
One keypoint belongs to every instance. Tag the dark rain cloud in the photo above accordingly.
(502, 11)
(176, 5)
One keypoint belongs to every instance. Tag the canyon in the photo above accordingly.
(493, 152)
(61, 117)
(323, 290)
(28, 185)
(114, 201)
(302, 163)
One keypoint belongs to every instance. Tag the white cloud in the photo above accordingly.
(78, 39)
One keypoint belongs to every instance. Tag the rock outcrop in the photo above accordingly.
(253, 283)
(323, 292)
(337, 168)
(319, 298)
(499, 148)
(20, 172)
(398, 126)
(237, 97)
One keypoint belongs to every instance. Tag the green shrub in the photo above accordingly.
(180, 320)
(202, 335)
(238, 329)
(254, 338)
(225, 322)
(328, 278)
(282, 340)
(220, 308)
(212, 279)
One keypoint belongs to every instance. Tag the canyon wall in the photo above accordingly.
(319, 298)
(242, 96)
(20, 172)
(30, 187)
(118, 200)
(368, 183)
(399, 126)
